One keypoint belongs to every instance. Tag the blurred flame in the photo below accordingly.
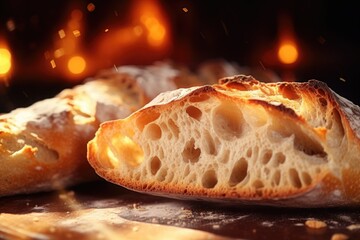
(288, 51)
(149, 16)
(144, 35)
(76, 65)
(5, 61)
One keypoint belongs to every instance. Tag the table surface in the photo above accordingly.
(101, 210)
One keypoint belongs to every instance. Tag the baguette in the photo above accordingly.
(239, 141)
(43, 146)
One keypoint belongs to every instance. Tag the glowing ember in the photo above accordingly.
(90, 7)
(76, 33)
(61, 33)
(59, 52)
(288, 53)
(185, 9)
(76, 64)
(5, 61)
(10, 24)
(52, 63)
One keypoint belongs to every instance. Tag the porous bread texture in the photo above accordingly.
(282, 144)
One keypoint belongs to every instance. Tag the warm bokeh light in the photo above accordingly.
(90, 7)
(5, 61)
(156, 31)
(76, 65)
(145, 27)
(151, 18)
(288, 53)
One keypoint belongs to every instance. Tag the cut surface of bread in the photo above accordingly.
(240, 141)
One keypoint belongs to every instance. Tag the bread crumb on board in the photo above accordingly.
(353, 227)
(339, 236)
(316, 224)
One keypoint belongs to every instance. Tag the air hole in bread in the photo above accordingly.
(208, 143)
(249, 153)
(303, 141)
(131, 153)
(161, 176)
(310, 147)
(190, 152)
(294, 178)
(254, 115)
(239, 172)
(227, 121)
(266, 156)
(279, 158)
(153, 131)
(276, 177)
(322, 101)
(194, 112)
(306, 178)
(209, 179)
(199, 98)
(289, 92)
(145, 119)
(336, 132)
(155, 165)
(320, 91)
(258, 184)
(173, 128)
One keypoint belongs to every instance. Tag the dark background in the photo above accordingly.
(327, 33)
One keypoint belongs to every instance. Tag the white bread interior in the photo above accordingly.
(244, 141)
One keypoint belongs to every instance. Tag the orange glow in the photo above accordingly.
(90, 7)
(288, 50)
(151, 18)
(65, 57)
(146, 27)
(288, 53)
(76, 65)
(5, 61)
(61, 33)
(52, 63)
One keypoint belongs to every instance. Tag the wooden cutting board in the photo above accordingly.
(101, 210)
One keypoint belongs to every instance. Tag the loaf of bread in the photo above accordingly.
(240, 141)
(43, 146)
